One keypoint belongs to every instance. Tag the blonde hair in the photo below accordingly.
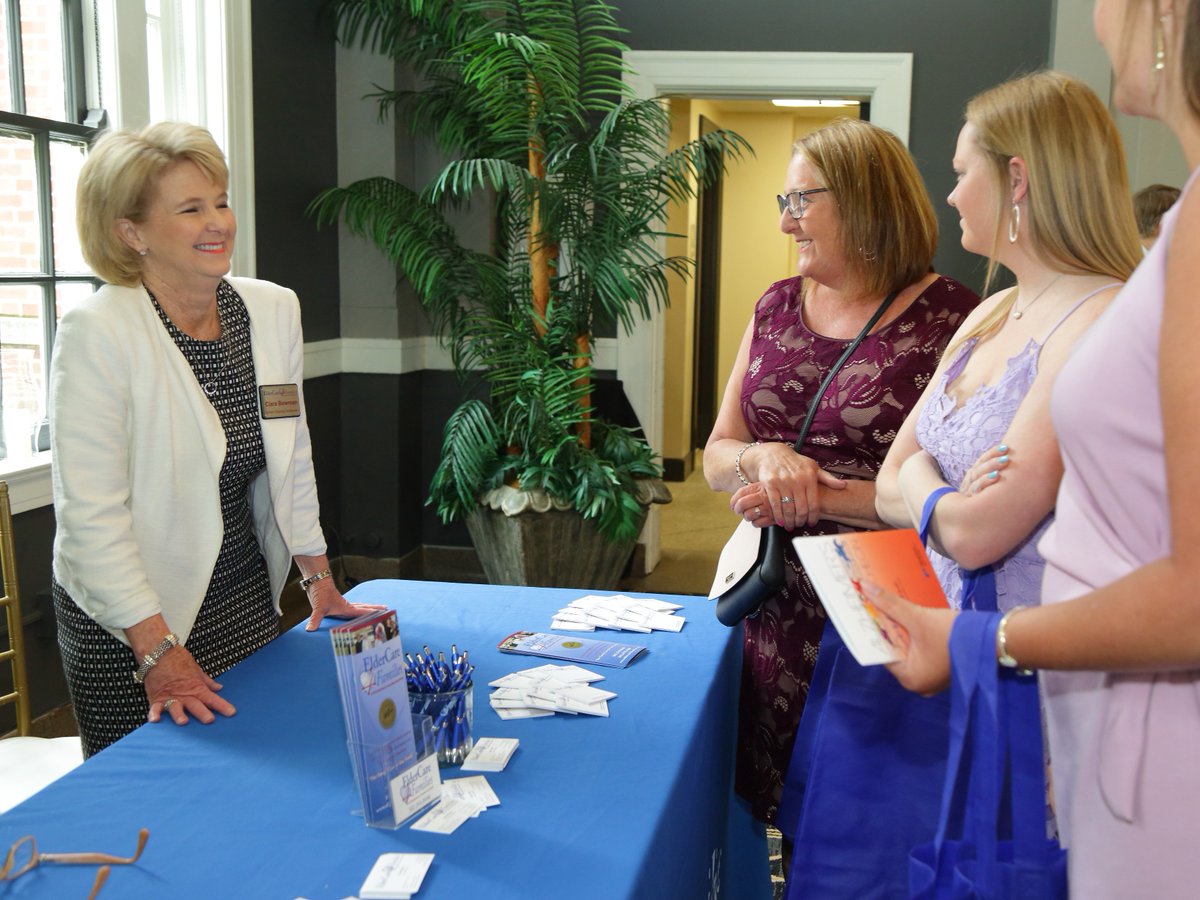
(118, 180)
(1079, 216)
(888, 227)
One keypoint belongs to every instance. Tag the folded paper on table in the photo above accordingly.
(839, 564)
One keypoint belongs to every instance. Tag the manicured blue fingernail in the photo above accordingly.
(993, 474)
(1002, 460)
(1003, 448)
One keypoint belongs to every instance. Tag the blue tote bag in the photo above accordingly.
(865, 779)
(991, 838)
(873, 788)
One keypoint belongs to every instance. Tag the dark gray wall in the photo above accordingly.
(33, 537)
(960, 47)
(295, 157)
(295, 153)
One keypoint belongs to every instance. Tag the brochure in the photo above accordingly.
(379, 727)
(571, 648)
(838, 564)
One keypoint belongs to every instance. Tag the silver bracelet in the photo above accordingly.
(150, 660)
(737, 462)
(306, 583)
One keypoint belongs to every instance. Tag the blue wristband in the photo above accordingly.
(927, 510)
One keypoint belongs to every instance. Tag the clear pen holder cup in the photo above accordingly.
(452, 714)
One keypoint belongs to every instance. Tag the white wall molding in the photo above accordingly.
(885, 78)
(28, 482)
(402, 356)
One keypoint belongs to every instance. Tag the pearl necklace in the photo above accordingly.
(1017, 313)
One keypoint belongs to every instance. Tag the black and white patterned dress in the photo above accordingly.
(237, 615)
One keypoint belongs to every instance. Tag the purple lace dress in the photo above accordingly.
(956, 436)
(855, 425)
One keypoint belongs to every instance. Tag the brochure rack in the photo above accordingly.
(394, 763)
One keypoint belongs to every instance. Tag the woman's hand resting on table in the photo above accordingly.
(784, 490)
(326, 600)
(178, 687)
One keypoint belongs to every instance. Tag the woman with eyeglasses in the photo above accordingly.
(857, 209)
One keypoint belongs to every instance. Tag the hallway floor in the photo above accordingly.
(695, 525)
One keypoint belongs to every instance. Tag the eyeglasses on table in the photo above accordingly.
(23, 855)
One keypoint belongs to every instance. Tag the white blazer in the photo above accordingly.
(137, 454)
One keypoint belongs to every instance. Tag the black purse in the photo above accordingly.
(750, 586)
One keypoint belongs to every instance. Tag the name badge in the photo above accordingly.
(279, 401)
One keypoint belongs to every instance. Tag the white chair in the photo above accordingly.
(27, 763)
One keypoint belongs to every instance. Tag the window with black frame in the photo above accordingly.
(45, 130)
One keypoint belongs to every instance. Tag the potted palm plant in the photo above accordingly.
(526, 99)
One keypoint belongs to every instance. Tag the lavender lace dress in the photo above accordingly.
(855, 424)
(956, 436)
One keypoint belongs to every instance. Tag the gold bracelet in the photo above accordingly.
(306, 583)
(1003, 657)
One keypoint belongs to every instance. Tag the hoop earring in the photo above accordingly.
(1014, 223)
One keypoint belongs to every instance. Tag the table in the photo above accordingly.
(634, 805)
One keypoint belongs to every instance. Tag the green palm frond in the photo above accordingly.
(469, 449)
(496, 83)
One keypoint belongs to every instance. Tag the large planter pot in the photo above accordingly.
(529, 538)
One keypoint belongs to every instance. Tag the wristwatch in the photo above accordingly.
(150, 660)
(312, 579)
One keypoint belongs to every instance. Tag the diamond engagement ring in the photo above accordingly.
(785, 499)
(167, 704)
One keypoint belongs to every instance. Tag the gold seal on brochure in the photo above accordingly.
(572, 644)
(387, 713)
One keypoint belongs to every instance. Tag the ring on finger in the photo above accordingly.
(785, 499)
(757, 511)
(167, 704)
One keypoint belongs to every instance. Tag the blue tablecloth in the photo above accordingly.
(634, 805)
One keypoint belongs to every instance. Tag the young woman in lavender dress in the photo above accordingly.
(1042, 191)
(1117, 635)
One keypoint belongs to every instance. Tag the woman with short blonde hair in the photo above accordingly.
(181, 503)
(118, 183)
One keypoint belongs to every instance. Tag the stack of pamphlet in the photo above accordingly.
(396, 772)
(618, 613)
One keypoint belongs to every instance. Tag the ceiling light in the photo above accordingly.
(811, 102)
